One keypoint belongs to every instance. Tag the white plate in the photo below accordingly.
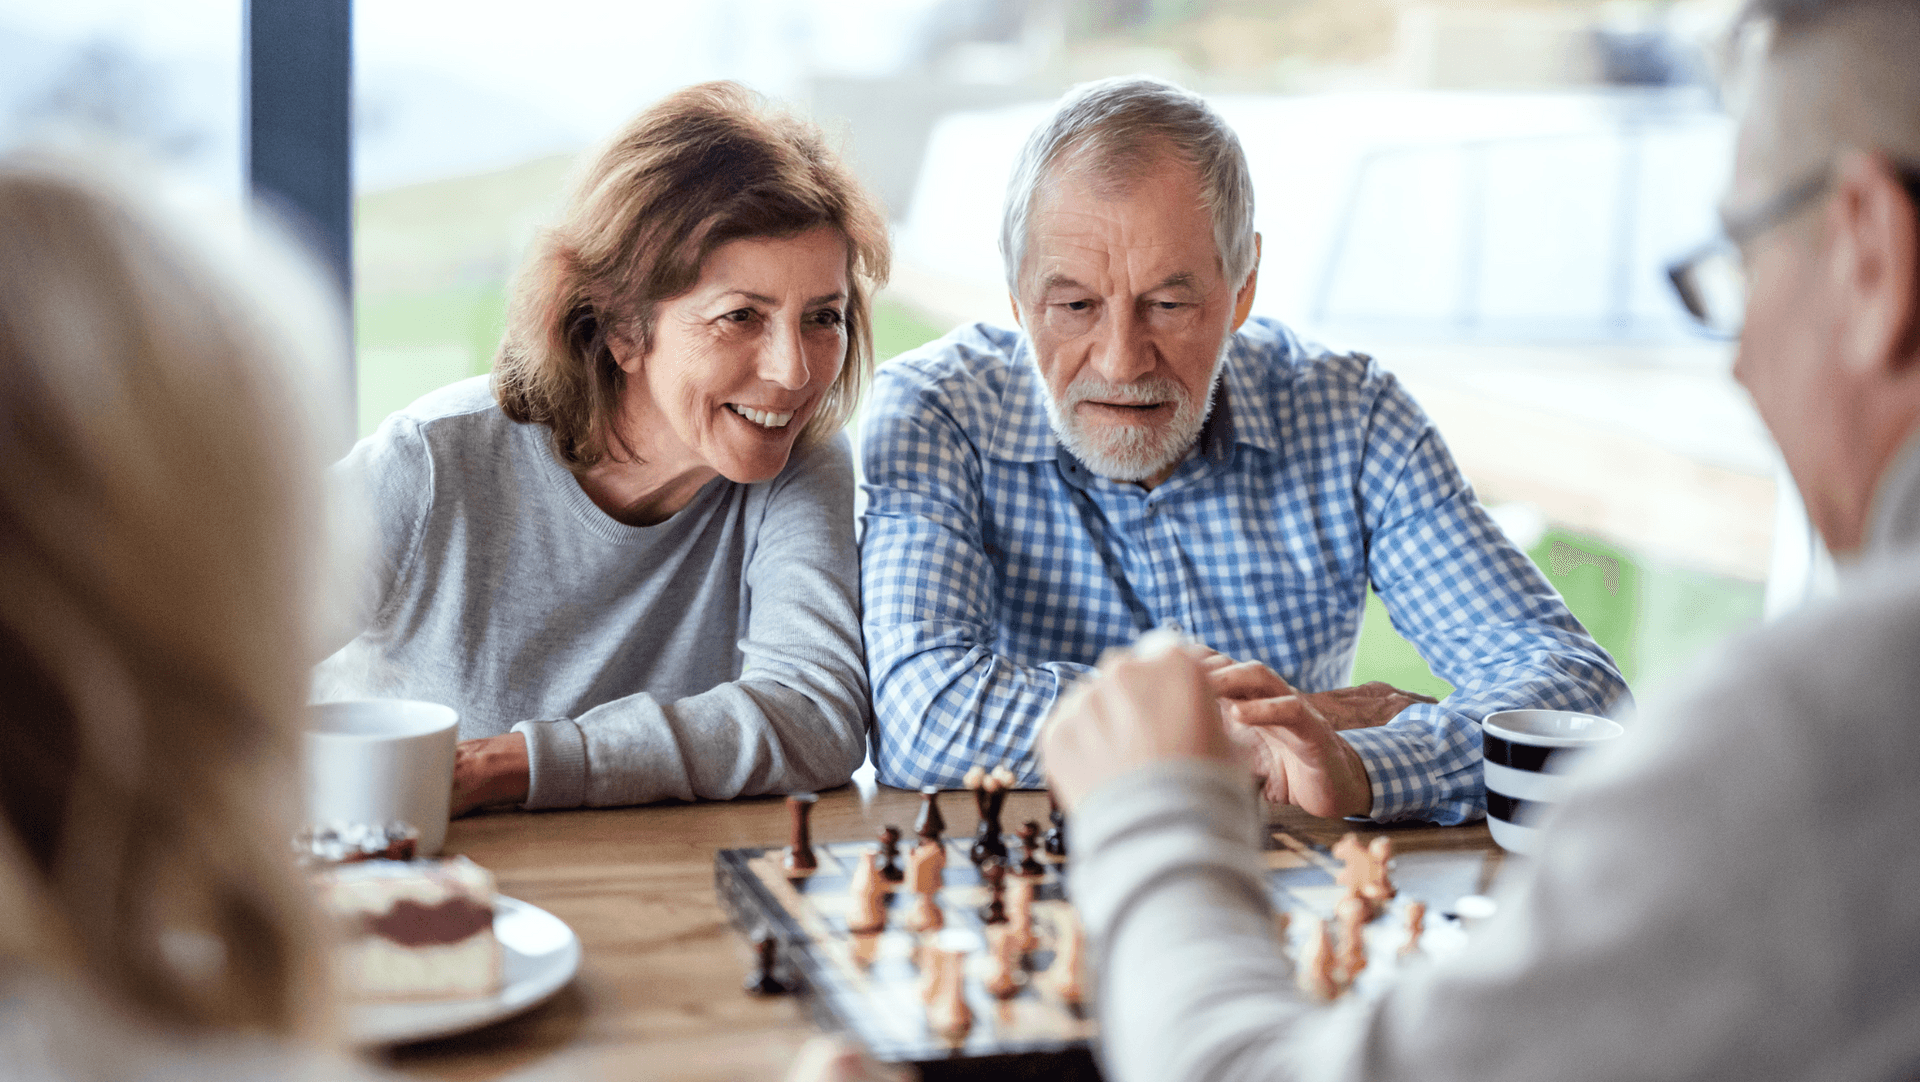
(540, 955)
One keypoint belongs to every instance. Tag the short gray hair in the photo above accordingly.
(1126, 125)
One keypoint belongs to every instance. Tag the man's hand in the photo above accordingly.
(1130, 713)
(1290, 740)
(490, 770)
(1360, 707)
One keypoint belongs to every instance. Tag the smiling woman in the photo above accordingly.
(628, 560)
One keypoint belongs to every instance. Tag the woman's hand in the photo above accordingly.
(490, 770)
(1130, 713)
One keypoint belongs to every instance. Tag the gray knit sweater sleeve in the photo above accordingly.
(796, 718)
(713, 655)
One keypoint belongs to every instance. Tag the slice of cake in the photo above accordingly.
(348, 843)
(414, 929)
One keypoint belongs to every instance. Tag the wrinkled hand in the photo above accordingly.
(490, 770)
(1128, 714)
(1291, 739)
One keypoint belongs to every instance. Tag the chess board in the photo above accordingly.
(868, 985)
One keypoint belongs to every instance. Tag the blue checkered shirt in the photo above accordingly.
(986, 594)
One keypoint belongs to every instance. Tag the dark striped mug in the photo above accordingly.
(1528, 754)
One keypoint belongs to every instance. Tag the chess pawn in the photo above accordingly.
(1352, 913)
(866, 897)
(1056, 841)
(931, 823)
(1070, 943)
(890, 854)
(1020, 916)
(947, 1011)
(995, 875)
(1030, 850)
(1002, 980)
(1315, 974)
(1416, 925)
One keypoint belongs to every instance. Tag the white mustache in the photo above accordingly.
(1145, 392)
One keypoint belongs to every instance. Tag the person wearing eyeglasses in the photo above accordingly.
(1733, 889)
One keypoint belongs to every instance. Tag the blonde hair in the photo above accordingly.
(709, 164)
(157, 511)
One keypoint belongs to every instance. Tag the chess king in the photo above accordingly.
(1140, 451)
(1732, 889)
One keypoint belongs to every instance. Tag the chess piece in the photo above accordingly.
(1030, 850)
(1003, 966)
(989, 793)
(1352, 914)
(800, 856)
(947, 1011)
(890, 854)
(1315, 974)
(1069, 943)
(866, 897)
(1281, 920)
(1363, 872)
(1020, 915)
(1378, 888)
(994, 874)
(763, 982)
(925, 868)
(1355, 861)
(1416, 925)
(931, 824)
(1056, 842)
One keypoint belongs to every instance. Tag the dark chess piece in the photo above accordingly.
(994, 874)
(763, 982)
(931, 823)
(1056, 842)
(1030, 850)
(890, 854)
(989, 793)
(800, 856)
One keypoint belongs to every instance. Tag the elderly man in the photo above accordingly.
(1141, 453)
(1733, 892)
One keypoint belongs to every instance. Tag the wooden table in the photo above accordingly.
(658, 994)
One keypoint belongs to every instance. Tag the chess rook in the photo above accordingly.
(800, 856)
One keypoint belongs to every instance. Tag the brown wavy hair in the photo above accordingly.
(709, 164)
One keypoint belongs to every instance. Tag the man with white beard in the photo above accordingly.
(1143, 454)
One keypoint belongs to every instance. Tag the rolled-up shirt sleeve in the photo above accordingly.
(1476, 607)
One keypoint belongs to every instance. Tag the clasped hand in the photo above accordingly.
(1196, 703)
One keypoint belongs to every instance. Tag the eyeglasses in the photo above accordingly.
(1712, 281)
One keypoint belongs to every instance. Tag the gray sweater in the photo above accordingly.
(1732, 893)
(714, 655)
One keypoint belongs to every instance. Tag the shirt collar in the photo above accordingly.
(1022, 433)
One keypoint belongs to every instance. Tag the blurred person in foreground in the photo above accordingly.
(1140, 452)
(159, 534)
(1733, 892)
(626, 557)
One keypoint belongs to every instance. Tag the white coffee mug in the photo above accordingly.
(1527, 756)
(379, 761)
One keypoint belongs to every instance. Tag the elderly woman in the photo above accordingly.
(628, 560)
